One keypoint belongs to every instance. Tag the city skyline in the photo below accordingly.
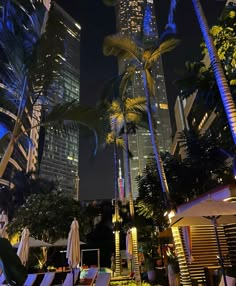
(138, 21)
(96, 22)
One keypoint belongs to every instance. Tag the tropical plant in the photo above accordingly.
(204, 168)
(150, 203)
(122, 113)
(199, 76)
(207, 160)
(141, 60)
(24, 73)
(226, 97)
(112, 137)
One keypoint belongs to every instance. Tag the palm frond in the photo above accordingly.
(126, 78)
(135, 104)
(88, 117)
(122, 47)
(84, 115)
(164, 47)
(116, 122)
(115, 107)
(110, 139)
(150, 82)
(145, 209)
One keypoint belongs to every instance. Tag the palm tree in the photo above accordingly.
(15, 46)
(116, 140)
(222, 83)
(141, 60)
(24, 73)
(122, 113)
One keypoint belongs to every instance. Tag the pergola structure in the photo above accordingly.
(197, 251)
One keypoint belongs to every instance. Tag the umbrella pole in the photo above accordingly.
(219, 250)
(73, 275)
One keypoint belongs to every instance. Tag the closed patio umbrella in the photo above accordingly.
(208, 212)
(129, 250)
(73, 246)
(23, 249)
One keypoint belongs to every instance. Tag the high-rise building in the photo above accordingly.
(137, 19)
(60, 154)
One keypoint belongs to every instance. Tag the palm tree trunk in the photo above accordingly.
(7, 155)
(222, 83)
(15, 135)
(160, 167)
(131, 207)
(117, 231)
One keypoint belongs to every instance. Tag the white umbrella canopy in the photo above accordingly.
(204, 212)
(35, 243)
(73, 245)
(23, 249)
(63, 242)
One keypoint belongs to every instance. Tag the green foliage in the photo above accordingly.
(204, 168)
(25, 184)
(224, 35)
(206, 161)
(198, 76)
(47, 215)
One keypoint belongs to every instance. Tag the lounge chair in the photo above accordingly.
(103, 279)
(90, 277)
(69, 277)
(47, 279)
(30, 279)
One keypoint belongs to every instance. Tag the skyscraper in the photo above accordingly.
(136, 19)
(60, 154)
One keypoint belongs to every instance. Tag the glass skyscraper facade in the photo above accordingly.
(60, 154)
(136, 19)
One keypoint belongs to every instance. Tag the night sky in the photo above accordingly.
(97, 21)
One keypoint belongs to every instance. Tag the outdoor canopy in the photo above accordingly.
(203, 212)
(63, 242)
(208, 212)
(35, 243)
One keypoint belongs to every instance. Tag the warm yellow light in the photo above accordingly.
(163, 106)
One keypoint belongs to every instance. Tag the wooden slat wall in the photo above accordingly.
(204, 250)
(185, 278)
(230, 231)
